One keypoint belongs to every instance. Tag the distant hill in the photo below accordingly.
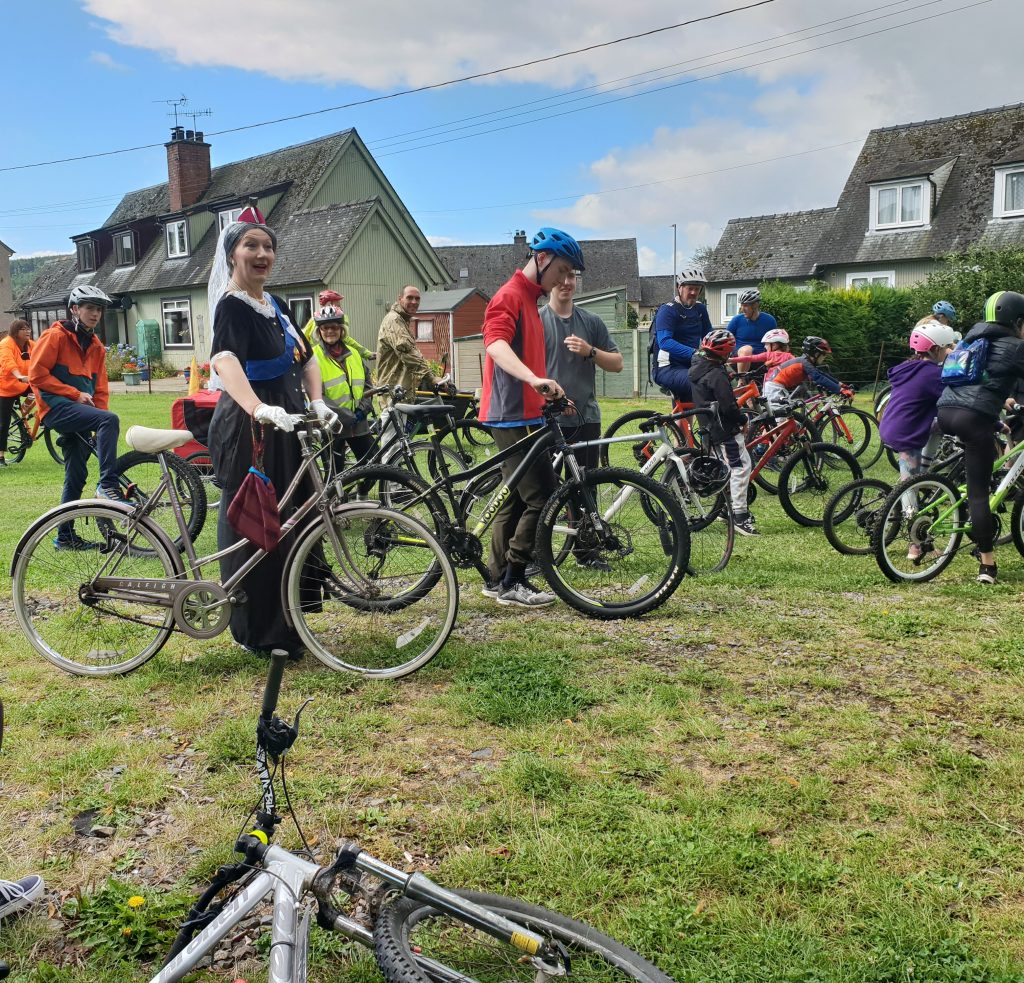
(23, 271)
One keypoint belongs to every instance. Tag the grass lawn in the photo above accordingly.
(793, 771)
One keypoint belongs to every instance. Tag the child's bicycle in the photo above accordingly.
(923, 520)
(851, 514)
(415, 930)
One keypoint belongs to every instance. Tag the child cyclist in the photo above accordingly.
(709, 380)
(776, 350)
(783, 380)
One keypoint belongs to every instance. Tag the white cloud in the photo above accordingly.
(106, 61)
(444, 241)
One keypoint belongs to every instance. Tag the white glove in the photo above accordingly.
(324, 414)
(277, 417)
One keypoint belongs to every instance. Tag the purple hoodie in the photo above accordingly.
(908, 417)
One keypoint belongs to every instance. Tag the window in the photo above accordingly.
(301, 310)
(177, 324)
(464, 273)
(861, 281)
(425, 330)
(1009, 197)
(41, 320)
(227, 217)
(177, 238)
(895, 206)
(124, 248)
(86, 255)
(579, 283)
(731, 303)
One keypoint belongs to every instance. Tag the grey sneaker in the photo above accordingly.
(15, 895)
(112, 495)
(491, 588)
(525, 595)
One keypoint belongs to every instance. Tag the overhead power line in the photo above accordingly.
(407, 92)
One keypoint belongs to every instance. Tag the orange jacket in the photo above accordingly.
(60, 369)
(11, 362)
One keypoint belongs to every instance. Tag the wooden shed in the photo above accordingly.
(446, 316)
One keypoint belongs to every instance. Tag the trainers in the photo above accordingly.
(112, 495)
(745, 525)
(533, 570)
(986, 573)
(74, 542)
(491, 588)
(524, 595)
(3, 463)
(15, 895)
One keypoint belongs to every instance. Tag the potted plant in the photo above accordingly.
(131, 374)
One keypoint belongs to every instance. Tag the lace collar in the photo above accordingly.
(263, 306)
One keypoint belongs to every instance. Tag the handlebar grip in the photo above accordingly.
(278, 660)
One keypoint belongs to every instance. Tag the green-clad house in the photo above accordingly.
(338, 220)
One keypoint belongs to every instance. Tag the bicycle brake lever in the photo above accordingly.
(275, 736)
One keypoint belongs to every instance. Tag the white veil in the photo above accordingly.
(220, 277)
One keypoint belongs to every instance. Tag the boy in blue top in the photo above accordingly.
(678, 329)
(750, 326)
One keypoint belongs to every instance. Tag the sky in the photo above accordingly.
(747, 112)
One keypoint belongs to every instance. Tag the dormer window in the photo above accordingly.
(900, 206)
(124, 248)
(177, 238)
(86, 255)
(228, 216)
(1009, 192)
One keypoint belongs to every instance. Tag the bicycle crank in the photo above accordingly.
(202, 610)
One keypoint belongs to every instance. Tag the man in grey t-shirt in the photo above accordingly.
(577, 344)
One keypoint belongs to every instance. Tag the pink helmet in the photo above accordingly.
(777, 336)
(927, 336)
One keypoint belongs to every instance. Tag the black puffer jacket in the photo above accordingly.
(710, 383)
(1004, 369)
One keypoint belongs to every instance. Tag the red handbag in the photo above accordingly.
(253, 512)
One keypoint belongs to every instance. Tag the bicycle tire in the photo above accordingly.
(645, 544)
(52, 440)
(898, 528)
(424, 463)
(768, 477)
(861, 427)
(712, 525)
(395, 488)
(881, 399)
(1017, 524)
(859, 501)
(415, 943)
(139, 475)
(382, 608)
(18, 439)
(203, 463)
(631, 456)
(50, 587)
(470, 441)
(808, 477)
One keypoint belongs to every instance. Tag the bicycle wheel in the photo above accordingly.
(423, 461)
(382, 602)
(66, 617)
(810, 477)
(415, 943)
(919, 528)
(631, 456)
(758, 444)
(200, 460)
(18, 439)
(712, 526)
(627, 562)
(396, 488)
(1017, 523)
(470, 441)
(854, 431)
(54, 445)
(139, 476)
(851, 513)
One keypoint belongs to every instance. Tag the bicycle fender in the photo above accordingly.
(127, 510)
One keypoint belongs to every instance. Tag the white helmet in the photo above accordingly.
(694, 275)
(89, 295)
(777, 336)
(931, 334)
(751, 296)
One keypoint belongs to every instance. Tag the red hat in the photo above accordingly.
(330, 296)
(252, 215)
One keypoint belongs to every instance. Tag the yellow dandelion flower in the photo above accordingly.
(126, 931)
(136, 901)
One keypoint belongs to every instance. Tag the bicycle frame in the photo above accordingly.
(778, 435)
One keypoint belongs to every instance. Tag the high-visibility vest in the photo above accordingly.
(342, 385)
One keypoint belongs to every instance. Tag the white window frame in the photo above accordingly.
(869, 275)
(999, 209)
(900, 186)
(228, 216)
(172, 239)
(172, 305)
(425, 329)
(728, 292)
(292, 298)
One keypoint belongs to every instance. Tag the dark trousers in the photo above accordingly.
(578, 433)
(976, 430)
(77, 418)
(360, 447)
(676, 379)
(6, 410)
(515, 525)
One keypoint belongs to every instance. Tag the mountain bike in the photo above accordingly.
(853, 429)
(924, 518)
(851, 514)
(612, 543)
(415, 931)
(368, 590)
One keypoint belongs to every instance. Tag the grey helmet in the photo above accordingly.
(86, 294)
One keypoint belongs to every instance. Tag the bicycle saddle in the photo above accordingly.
(150, 441)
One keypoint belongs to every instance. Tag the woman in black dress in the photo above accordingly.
(264, 364)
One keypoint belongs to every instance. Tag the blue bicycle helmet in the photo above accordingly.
(945, 308)
(560, 243)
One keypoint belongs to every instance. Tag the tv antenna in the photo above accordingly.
(180, 107)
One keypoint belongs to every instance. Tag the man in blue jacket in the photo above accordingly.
(678, 330)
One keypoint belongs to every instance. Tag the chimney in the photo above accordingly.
(519, 239)
(188, 167)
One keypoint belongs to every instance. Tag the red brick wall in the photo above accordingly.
(188, 172)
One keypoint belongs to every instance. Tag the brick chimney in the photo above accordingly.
(519, 239)
(188, 167)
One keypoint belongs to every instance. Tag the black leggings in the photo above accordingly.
(6, 410)
(976, 430)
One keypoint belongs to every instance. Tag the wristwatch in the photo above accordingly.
(593, 352)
